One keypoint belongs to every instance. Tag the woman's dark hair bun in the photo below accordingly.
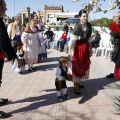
(82, 11)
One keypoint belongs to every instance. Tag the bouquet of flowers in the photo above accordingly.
(114, 28)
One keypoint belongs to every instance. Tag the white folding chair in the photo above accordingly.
(100, 49)
(54, 44)
(94, 51)
(104, 43)
(57, 37)
(108, 51)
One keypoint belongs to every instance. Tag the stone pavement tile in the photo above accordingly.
(83, 117)
(33, 95)
(103, 108)
(73, 101)
(10, 118)
(59, 110)
(105, 116)
(32, 117)
(52, 85)
(75, 110)
(103, 112)
(10, 107)
(85, 112)
(52, 118)
(51, 112)
(98, 101)
(74, 118)
(18, 117)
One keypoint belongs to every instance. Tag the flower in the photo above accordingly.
(70, 76)
(18, 47)
(114, 28)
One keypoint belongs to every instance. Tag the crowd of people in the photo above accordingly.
(28, 45)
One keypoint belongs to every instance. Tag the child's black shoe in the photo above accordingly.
(66, 96)
(60, 98)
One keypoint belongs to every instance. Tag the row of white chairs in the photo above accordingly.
(104, 49)
(105, 46)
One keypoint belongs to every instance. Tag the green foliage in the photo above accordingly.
(5, 18)
(13, 19)
(101, 22)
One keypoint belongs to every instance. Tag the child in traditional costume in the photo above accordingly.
(60, 82)
(20, 54)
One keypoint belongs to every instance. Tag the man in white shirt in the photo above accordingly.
(15, 31)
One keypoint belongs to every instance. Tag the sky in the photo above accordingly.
(67, 5)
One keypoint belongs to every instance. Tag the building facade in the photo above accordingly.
(42, 16)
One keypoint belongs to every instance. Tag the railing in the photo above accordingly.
(54, 27)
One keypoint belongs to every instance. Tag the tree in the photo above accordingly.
(13, 19)
(101, 22)
(5, 18)
(93, 5)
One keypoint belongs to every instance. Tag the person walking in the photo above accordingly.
(80, 50)
(60, 81)
(15, 31)
(6, 50)
(31, 43)
(115, 34)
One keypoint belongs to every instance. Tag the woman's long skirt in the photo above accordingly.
(81, 61)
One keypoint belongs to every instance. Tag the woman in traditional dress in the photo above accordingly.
(31, 43)
(80, 50)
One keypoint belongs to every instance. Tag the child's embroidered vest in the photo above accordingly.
(63, 73)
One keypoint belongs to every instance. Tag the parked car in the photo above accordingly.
(71, 21)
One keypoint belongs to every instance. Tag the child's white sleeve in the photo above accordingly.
(69, 67)
(17, 53)
(58, 74)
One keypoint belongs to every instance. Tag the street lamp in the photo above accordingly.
(14, 9)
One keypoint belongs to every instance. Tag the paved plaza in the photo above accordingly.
(33, 96)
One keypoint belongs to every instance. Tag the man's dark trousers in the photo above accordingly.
(1, 68)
